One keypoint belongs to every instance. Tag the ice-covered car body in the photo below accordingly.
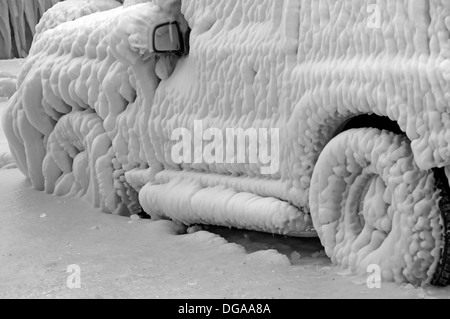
(306, 68)
(97, 109)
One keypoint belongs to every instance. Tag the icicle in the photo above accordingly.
(42, 7)
(5, 31)
(22, 45)
(18, 20)
(13, 13)
(30, 10)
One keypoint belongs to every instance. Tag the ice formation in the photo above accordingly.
(6, 161)
(96, 106)
(68, 124)
(71, 10)
(269, 256)
(387, 214)
(18, 19)
(7, 85)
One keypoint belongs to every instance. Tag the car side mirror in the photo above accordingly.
(167, 38)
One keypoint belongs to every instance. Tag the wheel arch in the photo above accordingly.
(369, 121)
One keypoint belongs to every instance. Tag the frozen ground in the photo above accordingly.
(11, 66)
(41, 235)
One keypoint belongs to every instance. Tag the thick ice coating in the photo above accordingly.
(96, 107)
(306, 67)
(387, 213)
(75, 114)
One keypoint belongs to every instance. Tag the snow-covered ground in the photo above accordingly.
(41, 235)
(11, 66)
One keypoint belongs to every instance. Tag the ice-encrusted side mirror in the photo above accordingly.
(168, 38)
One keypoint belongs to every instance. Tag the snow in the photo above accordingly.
(13, 66)
(145, 259)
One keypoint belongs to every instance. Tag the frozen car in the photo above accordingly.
(121, 106)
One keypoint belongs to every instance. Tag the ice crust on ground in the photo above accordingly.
(92, 118)
(164, 265)
(270, 256)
